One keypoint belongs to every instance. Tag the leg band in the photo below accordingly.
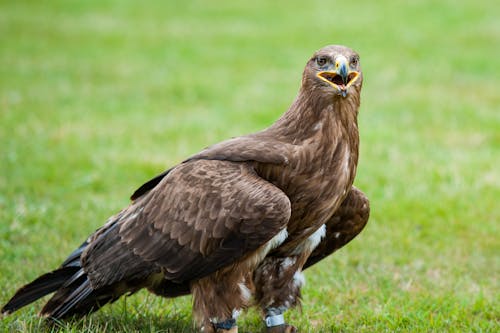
(226, 324)
(275, 320)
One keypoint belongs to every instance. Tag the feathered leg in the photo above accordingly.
(277, 288)
(278, 279)
(219, 298)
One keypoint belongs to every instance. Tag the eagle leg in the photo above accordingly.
(220, 297)
(277, 284)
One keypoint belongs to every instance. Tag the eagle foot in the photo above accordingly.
(231, 330)
(285, 328)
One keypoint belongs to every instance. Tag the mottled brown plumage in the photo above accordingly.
(243, 217)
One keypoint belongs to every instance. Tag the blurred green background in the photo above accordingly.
(97, 97)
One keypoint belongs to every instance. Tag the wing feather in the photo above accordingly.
(202, 216)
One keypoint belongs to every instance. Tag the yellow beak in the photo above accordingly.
(342, 78)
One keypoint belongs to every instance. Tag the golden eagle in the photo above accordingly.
(235, 224)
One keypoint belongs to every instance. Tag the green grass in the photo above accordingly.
(98, 96)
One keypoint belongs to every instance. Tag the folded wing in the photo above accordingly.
(203, 215)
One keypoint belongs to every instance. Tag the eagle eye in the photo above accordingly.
(354, 61)
(321, 61)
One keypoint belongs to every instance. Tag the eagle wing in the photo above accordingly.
(203, 215)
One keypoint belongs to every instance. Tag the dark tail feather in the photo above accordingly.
(76, 297)
(73, 293)
(40, 287)
(61, 304)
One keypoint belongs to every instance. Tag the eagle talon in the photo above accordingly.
(285, 328)
(231, 330)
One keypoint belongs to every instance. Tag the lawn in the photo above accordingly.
(98, 96)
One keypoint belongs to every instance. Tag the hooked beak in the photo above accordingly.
(342, 78)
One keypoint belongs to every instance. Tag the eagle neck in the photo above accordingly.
(312, 113)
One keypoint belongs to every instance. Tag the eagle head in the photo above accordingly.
(334, 69)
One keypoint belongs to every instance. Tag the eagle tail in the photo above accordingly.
(73, 293)
(75, 298)
(40, 287)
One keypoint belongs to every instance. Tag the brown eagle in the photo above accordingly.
(235, 224)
